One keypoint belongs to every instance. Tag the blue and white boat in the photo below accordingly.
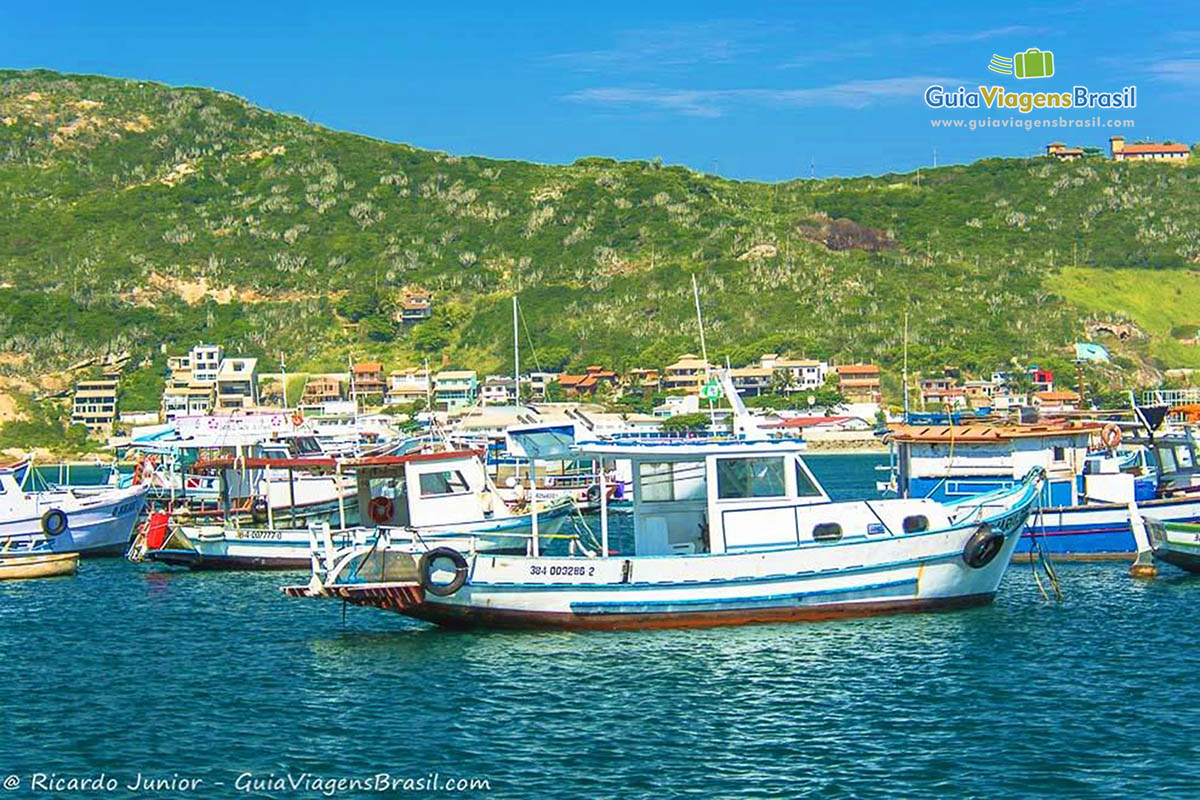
(725, 533)
(91, 522)
(1085, 502)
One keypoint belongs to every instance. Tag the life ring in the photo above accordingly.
(982, 547)
(259, 510)
(426, 568)
(1110, 435)
(380, 509)
(54, 522)
(593, 493)
(297, 419)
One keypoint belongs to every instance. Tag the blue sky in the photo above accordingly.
(764, 91)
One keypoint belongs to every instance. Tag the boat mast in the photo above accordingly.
(703, 348)
(516, 358)
(905, 368)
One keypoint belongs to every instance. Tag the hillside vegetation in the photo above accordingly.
(138, 215)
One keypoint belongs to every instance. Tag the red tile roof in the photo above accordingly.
(1155, 148)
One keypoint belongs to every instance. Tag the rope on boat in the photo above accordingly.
(1040, 557)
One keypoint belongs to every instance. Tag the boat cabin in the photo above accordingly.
(424, 489)
(716, 497)
(950, 463)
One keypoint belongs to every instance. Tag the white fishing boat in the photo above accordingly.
(438, 498)
(725, 532)
(91, 521)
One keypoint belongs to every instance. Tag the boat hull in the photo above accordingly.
(467, 618)
(40, 565)
(98, 523)
(1101, 531)
(216, 548)
(1175, 543)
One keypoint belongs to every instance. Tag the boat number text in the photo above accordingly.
(276, 535)
(556, 570)
(125, 508)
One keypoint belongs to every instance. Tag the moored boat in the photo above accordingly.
(440, 497)
(1176, 543)
(725, 532)
(92, 522)
(29, 564)
(1084, 509)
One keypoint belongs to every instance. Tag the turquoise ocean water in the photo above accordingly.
(126, 669)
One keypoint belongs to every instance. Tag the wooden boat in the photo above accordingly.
(1176, 543)
(725, 533)
(23, 565)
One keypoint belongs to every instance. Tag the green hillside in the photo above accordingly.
(138, 215)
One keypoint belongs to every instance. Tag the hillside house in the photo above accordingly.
(407, 386)
(590, 382)
(1148, 151)
(367, 381)
(859, 383)
(236, 385)
(498, 390)
(1055, 402)
(803, 374)
(417, 307)
(752, 381)
(1060, 151)
(688, 374)
(95, 405)
(320, 389)
(454, 389)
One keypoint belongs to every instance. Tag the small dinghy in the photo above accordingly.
(1176, 543)
(27, 564)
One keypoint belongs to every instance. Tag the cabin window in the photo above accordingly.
(1183, 454)
(664, 481)
(435, 484)
(1166, 460)
(739, 478)
(827, 532)
(916, 523)
(1060, 454)
(657, 485)
(804, 485)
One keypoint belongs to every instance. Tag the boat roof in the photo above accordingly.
(379, 463)
(990, 433)
(651, 448)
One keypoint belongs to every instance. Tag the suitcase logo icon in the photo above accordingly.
(1033, 63)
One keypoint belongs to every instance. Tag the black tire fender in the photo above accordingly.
(258, 510)
(982, 547)
(593, 493)
(54, 522)
(426, 565)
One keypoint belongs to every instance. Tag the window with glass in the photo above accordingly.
(740, 478)
(804, 484)
(656, 480)
(664, 481)
(1183, 455)
(435, 484)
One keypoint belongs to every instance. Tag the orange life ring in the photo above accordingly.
(297, 419)
(1110, 435)
(380, 509)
